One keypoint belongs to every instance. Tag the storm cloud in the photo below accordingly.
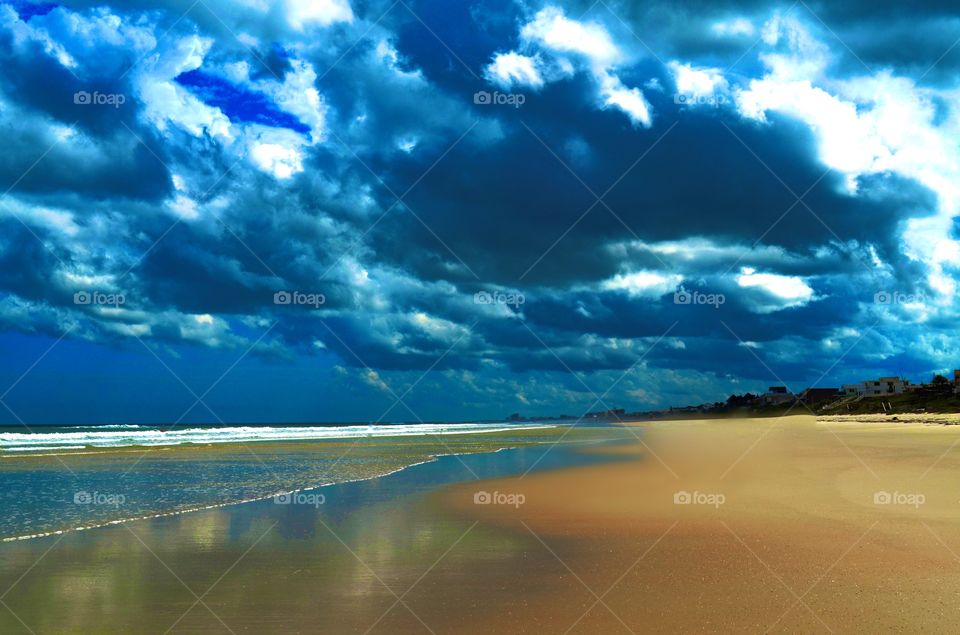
(468, 210)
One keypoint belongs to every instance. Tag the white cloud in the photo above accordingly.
(167, 102)
(563, 46)
(298, 96)
(303, 13)
(275, 158)
(60, 221)
(407, 144)
(782, 291)
(555, 31)
(204, 329)
(184, 207)
(274, 150)
(697, 82)
(643, 283)
(71, 38)
(873, 124)
(629, 100)
(512, 68)
(735, 27)
(386, 53)
(799, 55)
(847, 141)
(438, 328)
(786, 287)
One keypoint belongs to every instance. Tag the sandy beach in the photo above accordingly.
(929, 418)
(794, 526)
(785, 525)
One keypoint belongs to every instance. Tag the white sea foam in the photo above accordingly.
(43, 448)
(125, 436)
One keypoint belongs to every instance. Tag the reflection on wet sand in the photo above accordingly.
(357, 561)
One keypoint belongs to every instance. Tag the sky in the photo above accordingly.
(422, 210)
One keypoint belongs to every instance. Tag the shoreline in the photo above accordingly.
(798, 517)
(289, 565)
(432, 458)
(193, 510)
(925, 420)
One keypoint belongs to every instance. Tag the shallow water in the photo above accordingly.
(332, 566)
(44, 494)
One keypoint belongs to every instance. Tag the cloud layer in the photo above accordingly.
(472, 210)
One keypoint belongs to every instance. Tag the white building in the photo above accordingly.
(878, 387)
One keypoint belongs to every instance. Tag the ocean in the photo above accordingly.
(61, 479)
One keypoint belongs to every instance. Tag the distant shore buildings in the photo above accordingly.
(886, 386)
(828, 399)
(819, 396)
(877, 387)
(881, 387)
(777, 397)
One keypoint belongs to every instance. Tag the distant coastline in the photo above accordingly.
(889, 396)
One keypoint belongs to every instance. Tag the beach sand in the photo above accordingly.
(797, 545)
(938, 418)
(783, 536)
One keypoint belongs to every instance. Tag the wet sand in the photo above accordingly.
(782, 535)
(262, 567)
(39, 489)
